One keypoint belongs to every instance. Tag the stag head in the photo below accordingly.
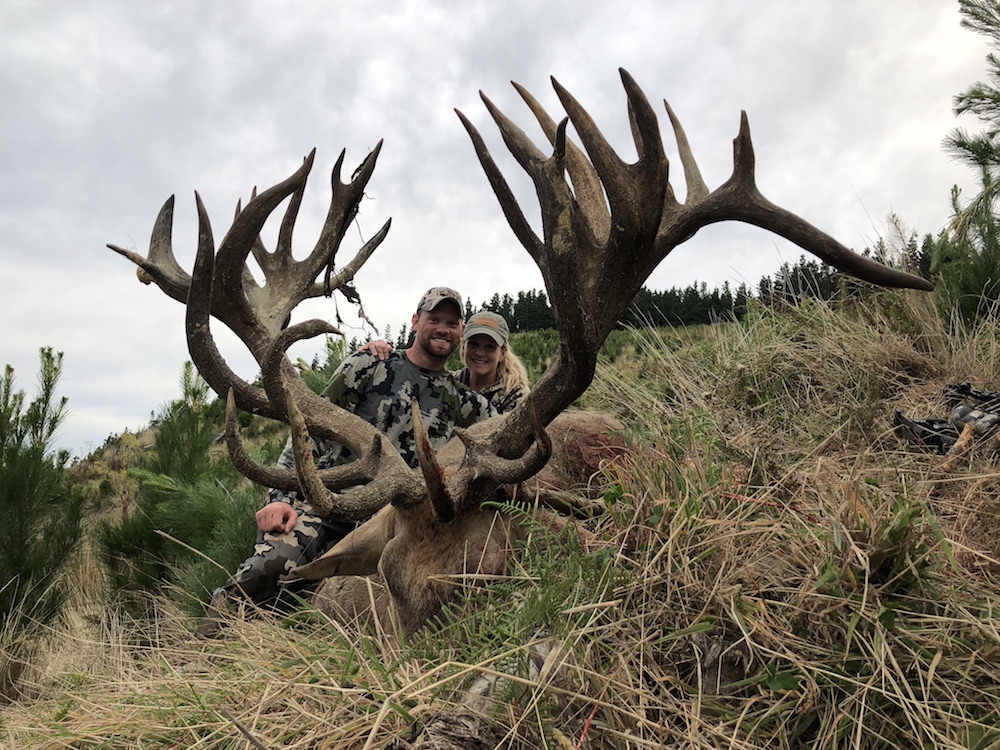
(606, 225)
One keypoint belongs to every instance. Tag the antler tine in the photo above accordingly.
(630, 189)
(275, 362)
(521, 147)
(696, 187)
(738, 199)
(316, 494)
(649, 145)
(333, 478)
(508, 203)
(586, 183)
(559, 208)
(482, 464)
(239, 240)
(161, 246)
(393, 480)
(233, 283)
(345, 275)
(336, 221)
(430, 467)
(283, 248)
(343, 209)
(161, 266)
(744, 159)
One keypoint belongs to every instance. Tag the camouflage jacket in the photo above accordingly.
(502, 402)
(380, 393)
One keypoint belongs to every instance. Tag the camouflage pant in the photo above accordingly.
(274, 555)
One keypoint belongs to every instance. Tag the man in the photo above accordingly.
(289, 532)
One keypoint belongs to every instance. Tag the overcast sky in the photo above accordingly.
(111, 107)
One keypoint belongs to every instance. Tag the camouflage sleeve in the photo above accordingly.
(509, 400)
(474, 408)
(351, 380)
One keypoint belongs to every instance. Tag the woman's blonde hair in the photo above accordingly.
(512, 371)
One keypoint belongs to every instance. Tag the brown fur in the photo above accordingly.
(582, 441)
(423, 562)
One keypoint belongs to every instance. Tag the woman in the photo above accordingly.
(491, 367)
(489, 364)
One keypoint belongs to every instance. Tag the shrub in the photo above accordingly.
(182, 537)
(192, 517)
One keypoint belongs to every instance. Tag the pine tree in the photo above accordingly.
(981, 151)
(41, 511)
(967, 262)
(967, 257)
(184, 436)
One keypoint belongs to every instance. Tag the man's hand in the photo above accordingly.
(378, 347)
(276, 517)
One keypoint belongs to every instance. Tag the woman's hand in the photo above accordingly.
(379, 348)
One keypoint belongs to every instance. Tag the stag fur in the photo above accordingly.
(404, 564)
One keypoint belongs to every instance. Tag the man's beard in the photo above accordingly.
(426, 345)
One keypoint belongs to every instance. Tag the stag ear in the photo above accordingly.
(357, 554)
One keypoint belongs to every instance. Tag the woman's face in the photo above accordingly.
(482, 356)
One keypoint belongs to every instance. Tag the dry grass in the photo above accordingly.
(777, 570)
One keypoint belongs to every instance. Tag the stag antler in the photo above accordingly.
(221, 285)
(607, 224)
(226, 289)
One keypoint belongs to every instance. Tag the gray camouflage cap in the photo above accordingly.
(438, 294)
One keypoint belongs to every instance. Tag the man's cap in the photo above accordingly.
(489, 324)
(438, 294)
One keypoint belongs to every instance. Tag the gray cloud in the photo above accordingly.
(110, 107)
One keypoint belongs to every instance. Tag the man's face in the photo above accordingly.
(439, 331)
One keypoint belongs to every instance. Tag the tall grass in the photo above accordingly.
(774, 570)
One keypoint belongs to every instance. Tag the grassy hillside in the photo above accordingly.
(776, 568)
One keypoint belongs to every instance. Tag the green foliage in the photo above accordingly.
(185, 434)
(41, 512)
(192, 520)
(184, 537)
(899, 563)
(537, 349)
(695, 304)
(967, 260)
(317, 375)
(967, 255)
(980, 150)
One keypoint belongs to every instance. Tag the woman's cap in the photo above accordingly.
(489, 324)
